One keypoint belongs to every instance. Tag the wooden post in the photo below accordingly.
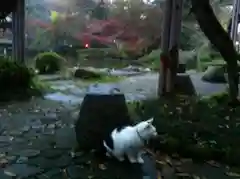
(165, 37)
(18, 30)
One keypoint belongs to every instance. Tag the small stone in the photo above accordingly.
(41, 162)
(16, 133)
(22, 170)
(29, 153)
(25, 129)
(49, 118)
(76, 171)
(6, 139)
(48, 131)
(51, 126)
(22, 160)
(65, 138)
(63, 161)
(4, 176)
(52, 153)
(50, 174)
(3, 162)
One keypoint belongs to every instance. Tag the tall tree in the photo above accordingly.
(214, 31)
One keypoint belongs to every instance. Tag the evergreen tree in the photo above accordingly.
(100, 11)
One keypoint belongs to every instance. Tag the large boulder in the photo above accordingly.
(214, 74)
(103, 109)
(86, 74)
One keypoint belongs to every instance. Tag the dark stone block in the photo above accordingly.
(181, 68)
(103, 109)
(184, 85)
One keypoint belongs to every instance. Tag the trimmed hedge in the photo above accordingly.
(17, 81)
(48, 62)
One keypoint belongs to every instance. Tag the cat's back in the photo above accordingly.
(123, 133)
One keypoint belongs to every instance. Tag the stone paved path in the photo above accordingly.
(37, 139)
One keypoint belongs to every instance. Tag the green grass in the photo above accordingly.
(203, 129)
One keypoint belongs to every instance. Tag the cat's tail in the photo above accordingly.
(109, 151)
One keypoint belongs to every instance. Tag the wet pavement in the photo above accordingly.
(134, 88)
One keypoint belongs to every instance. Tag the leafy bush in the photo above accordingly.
(48, 62)
(92, 53)
(16, 80)
(203, 129)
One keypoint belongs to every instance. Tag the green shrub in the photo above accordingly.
(48, 62)
(16, 81)
(206, 129)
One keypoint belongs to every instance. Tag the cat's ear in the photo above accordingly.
(150, 121)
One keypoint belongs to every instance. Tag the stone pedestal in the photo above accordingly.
(103, 109)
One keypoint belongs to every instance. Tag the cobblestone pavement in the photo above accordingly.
(37, 141)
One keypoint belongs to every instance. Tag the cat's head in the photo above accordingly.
(146, 129)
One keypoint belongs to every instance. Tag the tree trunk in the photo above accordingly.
(174, 43)
(220, 39)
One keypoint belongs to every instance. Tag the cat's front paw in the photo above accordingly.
(120, 158)
(140, 160)
(108, 155)
(132, 159)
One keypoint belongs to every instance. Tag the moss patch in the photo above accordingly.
(199, 128)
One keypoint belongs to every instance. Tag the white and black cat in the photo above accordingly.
(129, 141)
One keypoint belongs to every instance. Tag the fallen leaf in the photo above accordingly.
(161, 162)
(232, 174)
(65, 173)
(196, 177)
(159, 176)
(185, 160)
(168, 160)
(183, 174)
(102, 166)
(213, 163)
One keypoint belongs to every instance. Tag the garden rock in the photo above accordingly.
(214, 74)
(103, 109)
(86, 74)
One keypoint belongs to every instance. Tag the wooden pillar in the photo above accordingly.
(165, 38)
(18, 30)
(170, 45)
